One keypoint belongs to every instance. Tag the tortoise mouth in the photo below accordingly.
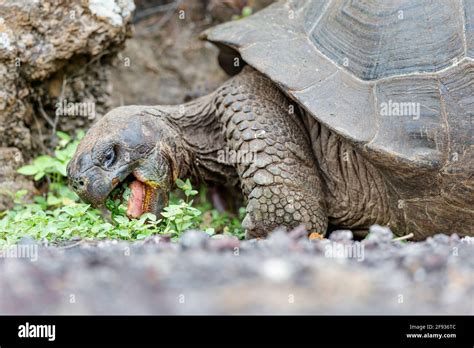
(141, 196)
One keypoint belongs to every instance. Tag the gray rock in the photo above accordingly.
(27, 241)
(341, 236)
(193, 239)
(380, 233)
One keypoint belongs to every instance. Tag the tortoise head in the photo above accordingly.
(130, 146)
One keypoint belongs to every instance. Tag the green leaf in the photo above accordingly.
(122, 220)
(149, 216)
(61, 168)
(19, 195)
(123, 233)
(63, 136)
(39, 176)
(180, 183)
(52, 200)
(190, 193)
(40, 200)
(210, 231)
(186, 226)
(246, 11)
(28, 170)
(44, 161)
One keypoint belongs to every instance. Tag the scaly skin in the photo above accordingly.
(284, 182)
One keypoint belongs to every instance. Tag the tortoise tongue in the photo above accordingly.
(135, 202)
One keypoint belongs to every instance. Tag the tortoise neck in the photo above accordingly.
(199, 133)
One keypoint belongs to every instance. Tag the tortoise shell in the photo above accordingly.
(393, 77)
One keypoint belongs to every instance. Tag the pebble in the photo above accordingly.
(194, 239)
(27, 241)
(224, 243)
(279, 239)
(341, 236)
(440, 239)
(380, 233)
(277, 270)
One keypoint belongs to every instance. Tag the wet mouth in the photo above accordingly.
(139, 195)
(142, 199)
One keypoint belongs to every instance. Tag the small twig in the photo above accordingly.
(41, 139)
(89, 63)
(163, 20)
(56, 116)
(43, 113)
(72, 245)
(140, 15)
(408, 236)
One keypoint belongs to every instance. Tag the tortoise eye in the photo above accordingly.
(109, 158)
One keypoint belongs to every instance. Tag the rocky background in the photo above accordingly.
(52, 51)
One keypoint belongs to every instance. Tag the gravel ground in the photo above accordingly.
(285, 274)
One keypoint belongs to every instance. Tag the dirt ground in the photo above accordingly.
(285, 274)
(165, 62)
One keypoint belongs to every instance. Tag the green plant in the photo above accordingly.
(116, 202)
(58, 215)
(181, 216)
(246, 11)
(53, 170)
(216, 222)
(53, 167)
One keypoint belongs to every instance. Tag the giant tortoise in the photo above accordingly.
(354, 112)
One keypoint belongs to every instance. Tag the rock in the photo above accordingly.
(11, 182)
(224, 243)
(168, 65)
(440, 239)
(277, 270)
(341, 236)
(380, 233)
(194, 239)
(157, 239)
(279, 239)
(27, 241)
(454, 237)
(48, 53)
(434, 261)
(298, 232)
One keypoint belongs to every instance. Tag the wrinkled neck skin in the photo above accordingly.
(196, 139)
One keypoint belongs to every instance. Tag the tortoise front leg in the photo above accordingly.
(273, 158)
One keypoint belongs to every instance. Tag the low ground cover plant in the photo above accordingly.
(58, 214)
